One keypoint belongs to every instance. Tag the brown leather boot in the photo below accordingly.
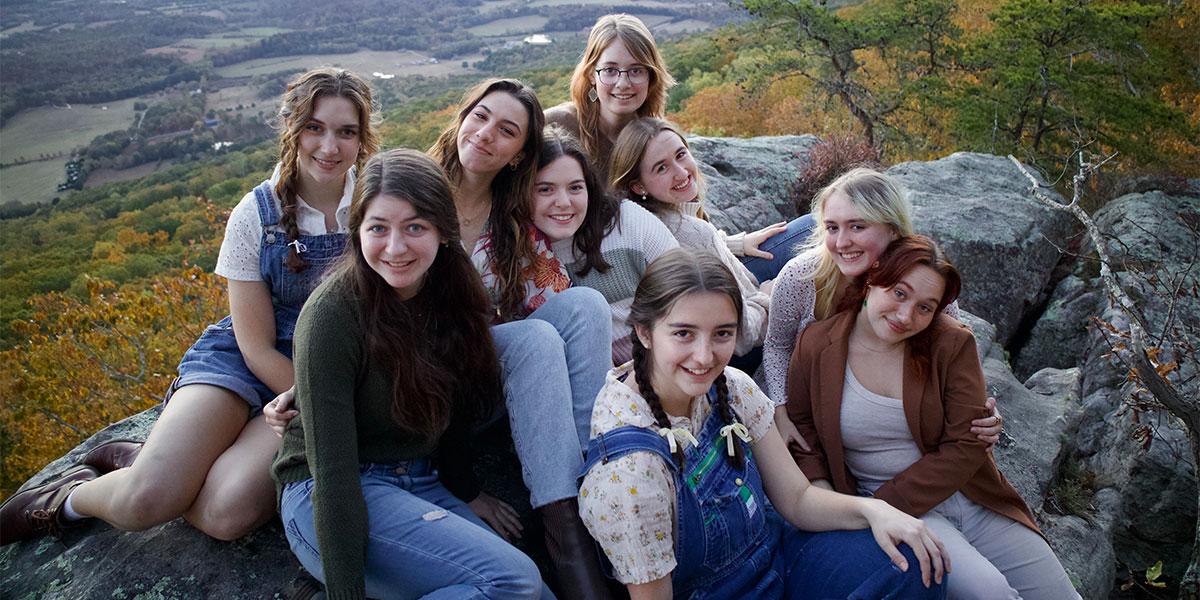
(36, 511)
(573, 552)
(112, 455)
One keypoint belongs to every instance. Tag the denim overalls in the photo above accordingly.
(731, 544)
(215, 358)
(724, 543)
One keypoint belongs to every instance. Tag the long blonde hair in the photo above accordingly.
(640, 42)
(627, 159)
(295, 109)
(878, 199)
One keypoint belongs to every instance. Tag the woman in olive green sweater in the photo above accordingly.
(394, 360)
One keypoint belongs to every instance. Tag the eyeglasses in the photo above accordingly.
(636, 74)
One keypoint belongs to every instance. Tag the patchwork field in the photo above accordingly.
(514, 26)
(49, 130)
(32, 182)
(193, 49)
(405, 62)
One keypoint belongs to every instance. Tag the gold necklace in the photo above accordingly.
(471, 220)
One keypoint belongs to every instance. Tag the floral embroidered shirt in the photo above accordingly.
(544, 277)
(628, 503)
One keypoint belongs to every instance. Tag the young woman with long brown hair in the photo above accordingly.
(552, 338)
(394, 359)
(207, 457)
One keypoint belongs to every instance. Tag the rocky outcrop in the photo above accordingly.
(1145, 500)
(1063, 405)
(750, 180)
(171, 561)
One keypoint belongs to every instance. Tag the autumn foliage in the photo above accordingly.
(88, 363)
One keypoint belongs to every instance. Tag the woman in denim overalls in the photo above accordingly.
(208, 457)
(685, 460)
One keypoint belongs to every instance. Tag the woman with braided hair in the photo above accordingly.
(208, 457)
(685, 455)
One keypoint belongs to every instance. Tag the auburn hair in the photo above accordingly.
(901, 256)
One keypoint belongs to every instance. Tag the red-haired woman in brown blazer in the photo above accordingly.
(885, 391)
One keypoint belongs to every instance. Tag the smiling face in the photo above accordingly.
(667, 171)
(897, 313)
(398, 244)
(622, 98)
(690, 346)
(854, 243)
(491, 136)
(330, 140)
(560, 199)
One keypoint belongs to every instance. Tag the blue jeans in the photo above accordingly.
(782, 246)
(422, 542)
(553, 364)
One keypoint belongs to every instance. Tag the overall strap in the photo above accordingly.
(265, 196)
(625, 440)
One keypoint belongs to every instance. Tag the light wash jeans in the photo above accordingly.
(783, 246)
(422, 542)
(553, 364)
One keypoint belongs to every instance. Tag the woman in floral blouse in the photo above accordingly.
(685, 454)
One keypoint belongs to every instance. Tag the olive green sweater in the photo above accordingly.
(345, 420)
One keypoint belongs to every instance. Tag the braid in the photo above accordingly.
(641, 371)
(285, 190)
(736, 461)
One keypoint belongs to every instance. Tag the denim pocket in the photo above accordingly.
(734, 518)
(296, 287)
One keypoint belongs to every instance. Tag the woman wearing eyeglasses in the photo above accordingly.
(622, 76)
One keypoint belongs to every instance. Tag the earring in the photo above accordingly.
(643, 197)
(864, 302)
(592, 95)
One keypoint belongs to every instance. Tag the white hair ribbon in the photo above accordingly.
(300, 247)
(740, 430)
(683, 435)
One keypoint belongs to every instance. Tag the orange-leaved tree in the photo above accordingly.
(87, 363)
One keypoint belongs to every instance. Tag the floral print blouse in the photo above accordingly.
(628, 503)
(544, 277)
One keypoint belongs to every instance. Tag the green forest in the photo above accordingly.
(103, 290)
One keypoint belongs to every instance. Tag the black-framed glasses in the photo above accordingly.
(635, 74)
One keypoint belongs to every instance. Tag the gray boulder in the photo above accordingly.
(1060, 335)
(750, 179)
(1005, 245)
(173, 560)
(1139, 455)
(1037, 414)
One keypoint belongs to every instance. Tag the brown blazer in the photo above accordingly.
(939, 405)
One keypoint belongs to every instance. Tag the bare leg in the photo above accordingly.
(195, 428)
(239, 494)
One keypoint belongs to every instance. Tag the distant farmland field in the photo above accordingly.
(33, 182)
(364, 62)
(50, 129)
(513, 26)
